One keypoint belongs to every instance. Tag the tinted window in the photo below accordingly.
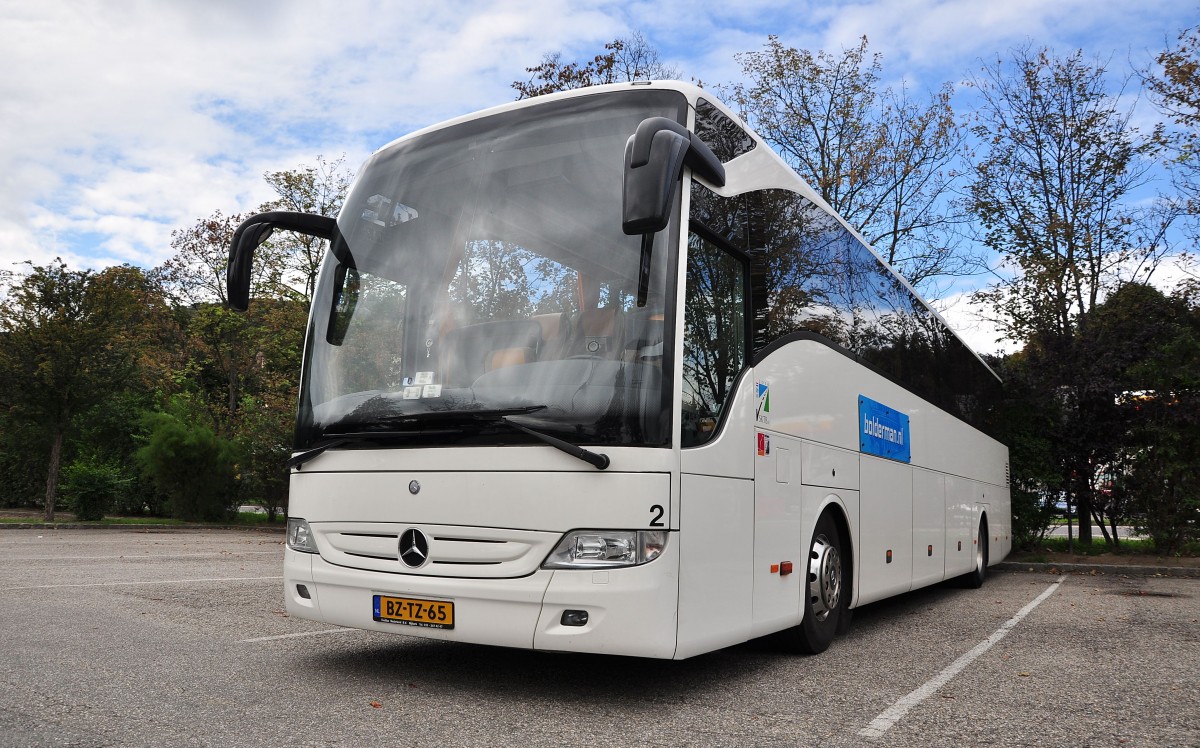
(812, 276)
(724, 136)
(714, 336)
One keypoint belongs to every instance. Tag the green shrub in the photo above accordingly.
(191, 465)
(91, 488)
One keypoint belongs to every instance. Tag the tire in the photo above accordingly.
(825, 591)
(974, 579)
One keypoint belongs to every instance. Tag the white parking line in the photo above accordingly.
(301, 633)
(156, 581)
(128, 557)
(896, 712)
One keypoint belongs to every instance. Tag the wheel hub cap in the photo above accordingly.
(824, 578)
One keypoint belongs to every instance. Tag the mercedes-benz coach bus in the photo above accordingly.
(598, 372)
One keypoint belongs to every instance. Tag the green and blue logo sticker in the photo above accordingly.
(762, 413)
(883, 432)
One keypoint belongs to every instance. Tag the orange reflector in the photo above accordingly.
(785, 568)
(774, 568)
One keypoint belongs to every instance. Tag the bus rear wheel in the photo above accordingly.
(974, 579)
(825, 591)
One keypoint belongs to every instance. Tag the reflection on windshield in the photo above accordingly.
(483, 267)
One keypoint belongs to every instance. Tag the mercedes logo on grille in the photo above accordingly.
(414, 548)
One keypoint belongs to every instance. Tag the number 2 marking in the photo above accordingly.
(657, 511)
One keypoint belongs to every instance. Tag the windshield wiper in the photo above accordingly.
(338, 440)
(598, 459)
(445, 419)
(501, 415)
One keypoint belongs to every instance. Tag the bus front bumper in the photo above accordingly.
(630, 611)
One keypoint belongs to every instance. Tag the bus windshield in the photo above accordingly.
(482, 269)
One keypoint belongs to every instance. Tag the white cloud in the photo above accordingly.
(123, 121)
(131, 119)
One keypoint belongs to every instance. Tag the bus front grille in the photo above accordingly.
(453, 551)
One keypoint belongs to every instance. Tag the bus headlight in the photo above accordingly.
(606, 549)
(300, 537)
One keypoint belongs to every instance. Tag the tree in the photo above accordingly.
(1177, 93)
(881, 159)
(1175, 89)
(1153, 342)
(224, 349)
(1053, 196)
(241, 371)
(319, 189)
(70, 338)
(624, 59)
(195, 274)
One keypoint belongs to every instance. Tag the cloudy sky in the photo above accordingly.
(123, 120)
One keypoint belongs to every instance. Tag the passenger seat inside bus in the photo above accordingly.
(477, 349)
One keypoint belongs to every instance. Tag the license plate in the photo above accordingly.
(432, 614)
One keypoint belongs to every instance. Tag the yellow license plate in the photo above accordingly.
(433, 614)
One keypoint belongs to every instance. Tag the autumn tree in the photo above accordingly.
(70, 338)
(241, 371)
(1053, 193)
(882, 159)
(1175, 88)
(195, 273)
(320, 189)
(626, 58)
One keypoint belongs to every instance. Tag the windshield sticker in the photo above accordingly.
(763, 411)
(412, 393)
(432, 390)
(883, 431)
(424, 377)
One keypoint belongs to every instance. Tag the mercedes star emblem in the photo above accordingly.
(414, 548)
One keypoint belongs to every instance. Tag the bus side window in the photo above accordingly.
(714, 337)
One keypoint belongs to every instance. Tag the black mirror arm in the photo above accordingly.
(252, 233)
(699, 156)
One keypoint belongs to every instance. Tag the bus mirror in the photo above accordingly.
(654, 159)
(252, 233)
(345, 299)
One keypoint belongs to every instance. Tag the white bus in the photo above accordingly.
(598, 372)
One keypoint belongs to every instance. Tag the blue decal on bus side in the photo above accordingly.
(883, 431)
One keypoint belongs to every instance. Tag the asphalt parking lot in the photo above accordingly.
(115, 637)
